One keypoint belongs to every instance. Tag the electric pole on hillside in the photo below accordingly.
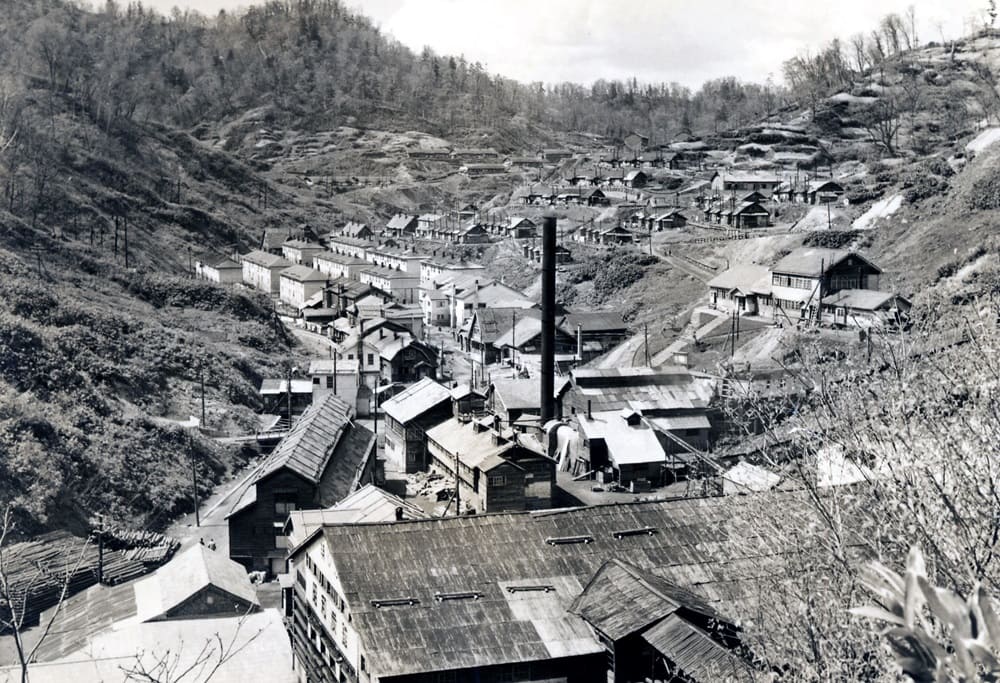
(201, 381)
(100, 548)
(194, 482)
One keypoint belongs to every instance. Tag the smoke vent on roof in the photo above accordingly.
(567, 540)
(641, 531)
(395, 602)
(541, 588)
(441, 597)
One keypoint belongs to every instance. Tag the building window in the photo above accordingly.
(371, 359)
(329, 382)
(498, 480)
(284, 503)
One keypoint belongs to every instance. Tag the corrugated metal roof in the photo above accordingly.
(745, 477)
(416, 400)
(525, 329)
(472, 443)
(259, 642)
(809, 261)
(627, 444)
(368, 504)
(307, 448)
(745, 277)
(491, 553)
(860, 299)
(341, 259)
(595, 321)
(695, 653)
(400, 221)
(622, 599)
(262, 258)
(304, 274)
(191, 570)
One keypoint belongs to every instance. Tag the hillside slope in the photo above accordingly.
(98, 358)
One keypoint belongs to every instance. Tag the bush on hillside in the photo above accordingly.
(831, 239)
(919, 184)
(985, 195)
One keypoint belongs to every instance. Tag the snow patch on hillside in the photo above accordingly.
(983, 140)
(880, 209)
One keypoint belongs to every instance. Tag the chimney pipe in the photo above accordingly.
(548, 315)
(589, 415)
(399, 514)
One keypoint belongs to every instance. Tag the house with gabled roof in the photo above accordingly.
(262, 270)
(339, 265)
(484, 327)
(408, 416)
(493, 473)
(324, 457)
(742, 182)
(300, 252)
(519, 227)
(301, 286)
(223, 271)
(616, 235)
(402, 225)
(595, 331)
(653, 628)
(742, 287)
(635, 179)
(866, 308)
(810, 283)
(111, 632)
(807, 275)
(272, 239)
(357, 230)
(523, 336)
(823, 191)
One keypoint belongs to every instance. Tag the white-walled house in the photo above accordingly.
(299, 284)
(262, 270)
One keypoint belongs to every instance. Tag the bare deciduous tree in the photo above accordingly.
(171, 666)
(15, 598)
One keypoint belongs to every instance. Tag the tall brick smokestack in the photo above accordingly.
(548, 315)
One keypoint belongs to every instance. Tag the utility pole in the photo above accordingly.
(334, 352)
(201, 380)
(194, 482)
(125, 223)
(645, 341)
(288, 390)
(650, 237)
(513, 347)
(458, 495)
(828, 220)
(732, 336)
(100, 548)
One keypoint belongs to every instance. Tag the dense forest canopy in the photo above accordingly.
(319, 64)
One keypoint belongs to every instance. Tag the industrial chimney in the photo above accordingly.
(548, 315)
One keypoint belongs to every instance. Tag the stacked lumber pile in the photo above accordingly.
(38, 569)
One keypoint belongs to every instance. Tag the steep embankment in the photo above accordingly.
(93, 353)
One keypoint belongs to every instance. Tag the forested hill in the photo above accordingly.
(320, 65)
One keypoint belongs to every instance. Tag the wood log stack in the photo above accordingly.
(38, 569)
